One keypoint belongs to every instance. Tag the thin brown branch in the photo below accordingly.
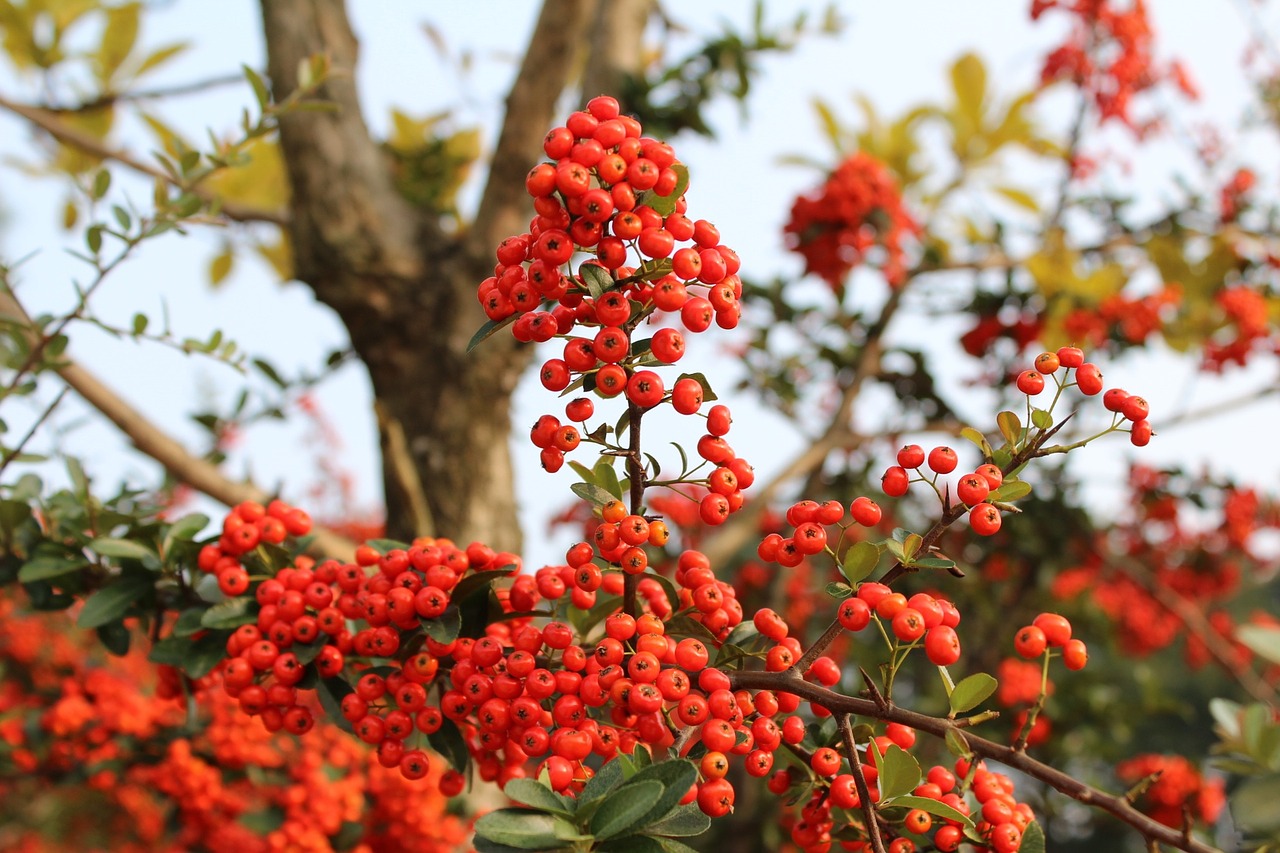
(108, 99)
(198, 473)
(939, 727)
(49, 122)
(860, 782)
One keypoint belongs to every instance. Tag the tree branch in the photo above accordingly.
(838, 703)
(49, 122)
(198, 473)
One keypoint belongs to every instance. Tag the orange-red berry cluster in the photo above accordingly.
(856, 211)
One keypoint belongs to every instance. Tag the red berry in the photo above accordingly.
(1030, 382)
(984, 519)
(865, 511)
(942, 460)
(1030, 642)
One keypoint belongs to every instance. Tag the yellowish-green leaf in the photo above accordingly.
(969, 80)
(220, 266)
(118, 38)
(160, 56)
(1021, 198)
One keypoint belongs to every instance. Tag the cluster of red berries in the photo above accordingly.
(858, 208)
(920, 617)
(1180, 788)
(1051, 631)
(810, 520)
(1122, 318)
(1000, 822)
(1109, 55)
(247, 525)
(972, 489)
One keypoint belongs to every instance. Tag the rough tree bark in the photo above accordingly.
(403, 287)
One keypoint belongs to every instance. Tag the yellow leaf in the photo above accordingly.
(279, 254)
(70, 215)
(259, 182)
(160, 56)
(118, 38)
(1021, 198)
(220, 266)
(96, 123)
(827, 119)
(969, 79)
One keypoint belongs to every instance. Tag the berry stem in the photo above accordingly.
(637, 482)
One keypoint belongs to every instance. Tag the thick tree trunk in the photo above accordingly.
(403, 287)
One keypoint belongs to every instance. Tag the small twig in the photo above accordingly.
(64, 133)
(15, 451)
(860, 782)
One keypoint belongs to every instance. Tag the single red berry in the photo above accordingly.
(865, 511)
(1047, 362)
(911, 456)
(1071, 356)
(1030, 382)
(942, 460)
(895, 482)
(984, 519)
(1030, 642)
(1089, 379)
(1140, 433)
(1075, 654)
(1057, 628)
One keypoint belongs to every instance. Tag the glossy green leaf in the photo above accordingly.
(933, 807)
(230, 614)
(899, 773)
(1010, 427)
(622, 812)
(536, 795)
(125, 549)
(526, 830)
(972, 692)
(115, 600)
(859, 562)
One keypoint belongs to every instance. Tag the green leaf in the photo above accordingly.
(606, 779)
(683, 822)
(839, 590)
(675, 776)
(447, 741)
(1010, 427)
(385, 546)
(859, 562)
(101, 183)
(125, 549)
(1262, 640)
(260, 91)
(912, 545)
(973, 435)
(933, 563)
(331, 691)
(488, 330)
(708, 395)
(592, 494)
(1010, 490)
(623, 811)
(1032, 839)
(957, 745)
(1227, 715)
(972, 692)
(115, 600)
(525, 830)
(48, 567)
(899, 773)
(933, 807)
(648, 844)
(666, 204)
(115, 638)
(607, 478)
(596, 278)
(1041, 419)
(446, 627)
(531, 793)
(230, 614)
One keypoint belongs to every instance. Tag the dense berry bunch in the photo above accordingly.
(1176, 788)
(857, 209)
(1108, 55)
